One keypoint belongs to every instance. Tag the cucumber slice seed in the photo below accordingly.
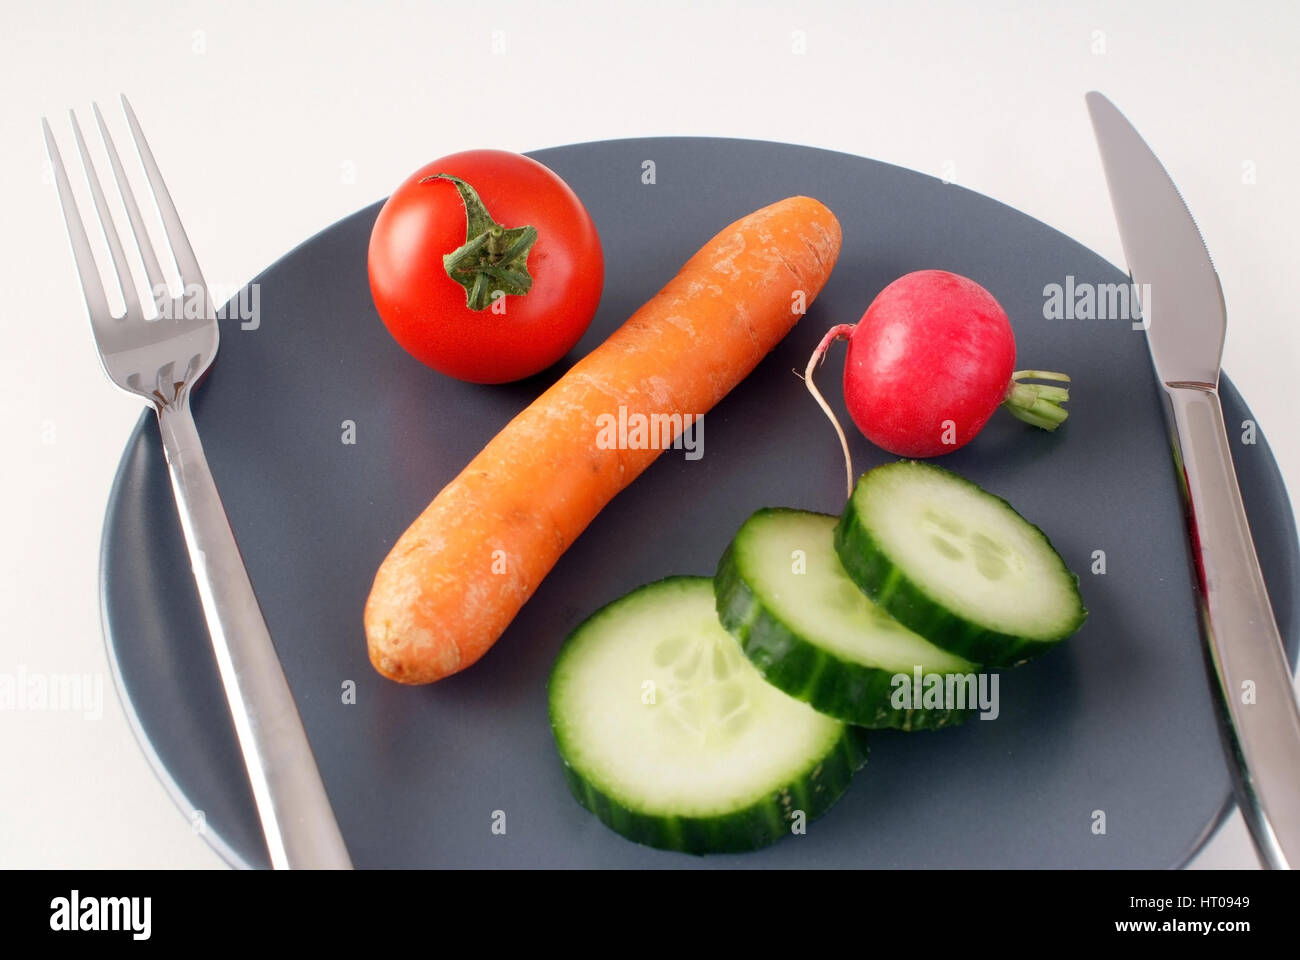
(957, 564)
(672, 739)
(783, 593)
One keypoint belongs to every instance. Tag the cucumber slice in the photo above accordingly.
(672, 739)
(957, 564)
(783, 593)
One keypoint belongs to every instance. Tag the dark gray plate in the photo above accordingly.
(1117, 720)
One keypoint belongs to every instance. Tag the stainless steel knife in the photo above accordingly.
(1184, 313)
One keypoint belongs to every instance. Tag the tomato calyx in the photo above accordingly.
(493, 261)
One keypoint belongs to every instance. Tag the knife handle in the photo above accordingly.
(1258, 715)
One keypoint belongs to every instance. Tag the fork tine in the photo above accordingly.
(106, 222)
(91, 286)
(183, 253)
(157, 285)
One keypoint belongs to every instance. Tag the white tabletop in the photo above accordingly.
(271, 121)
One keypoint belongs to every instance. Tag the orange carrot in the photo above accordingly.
(464, 568)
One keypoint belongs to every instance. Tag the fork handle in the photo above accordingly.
(299, 824)
(1257, 711)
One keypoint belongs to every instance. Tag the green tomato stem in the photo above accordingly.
(493, 260)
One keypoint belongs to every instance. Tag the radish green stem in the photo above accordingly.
(835, 333)
(1035, 403)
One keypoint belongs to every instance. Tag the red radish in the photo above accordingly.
(928, 364)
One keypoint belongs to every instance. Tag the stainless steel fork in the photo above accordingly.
(160, 360)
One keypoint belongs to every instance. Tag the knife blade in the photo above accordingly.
(1165, 252)
(1183, 310)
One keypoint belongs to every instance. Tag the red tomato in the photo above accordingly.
(426, 311)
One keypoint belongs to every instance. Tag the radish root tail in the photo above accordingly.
(843, 330)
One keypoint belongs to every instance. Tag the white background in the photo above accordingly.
(272, 120)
